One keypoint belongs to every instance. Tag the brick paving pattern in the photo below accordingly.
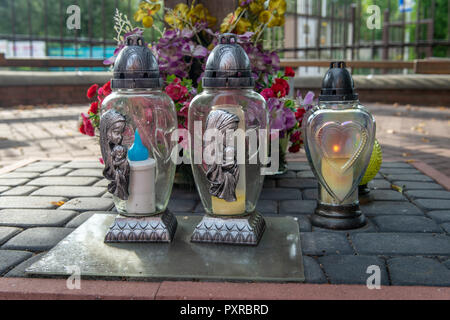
(407, 236)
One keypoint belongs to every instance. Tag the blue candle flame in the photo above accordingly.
(137, 152)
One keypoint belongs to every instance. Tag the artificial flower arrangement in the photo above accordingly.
(182, 50)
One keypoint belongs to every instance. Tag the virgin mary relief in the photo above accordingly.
(223, 177)
(117, 168)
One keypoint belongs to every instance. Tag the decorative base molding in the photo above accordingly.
(246, 230)
(346, 217)
(159, 228)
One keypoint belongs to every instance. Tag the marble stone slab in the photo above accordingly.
(277, 258)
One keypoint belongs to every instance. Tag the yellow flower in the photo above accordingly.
(242, 26)
(278, 7)
(201, 14)
(147, 21)
(265, 16)
(256, 7)
(145, 11)
(174, 18)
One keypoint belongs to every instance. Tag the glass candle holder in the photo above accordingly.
(136, 123)
(339, 136)
(225, 123)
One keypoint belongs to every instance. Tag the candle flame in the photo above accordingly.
(336, 148)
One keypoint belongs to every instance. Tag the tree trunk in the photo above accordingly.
(217, 8)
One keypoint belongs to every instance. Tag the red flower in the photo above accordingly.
(294, 148)
(101, 160)
(284, 83)
(268, 93)
(300, 113)
(100, 92)
(92, 90)
(295, 137)
(279, 90)
(107, 88)
(94, 107)
(289, 72)
(176, 91)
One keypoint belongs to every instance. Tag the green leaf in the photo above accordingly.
(171, 78)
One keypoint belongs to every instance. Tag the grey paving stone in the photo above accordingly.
(401, 243)
(58, 172)
(102, 183)
(406, 224)
(310, 194)
(19, 270)
(433, 204)
(428, 194)
(313, 272)
(20, 191)
(87, 173)
(379, 184)
(48, 163)
(182, 205)
(390, 208)
(36, 168)
(387, 195)
(29, 202)
(297, 183)
(280, 194)
(294, 207)
(324, 243)
(351, 269)
(19, 175)
(304, 223)
(107, 195)
(440, 216)
(70, 192)
(269, 183)
(37, 239)
(4, 188)
(412, 185)
(409, 177)
(83, 165)
(298, 166)
(199, 208)
(418, 271)
(267, 207)
(26, 218)
(83, 217)
(395, 165)
(447, 263)
(88, 204)
(446, 227)
(399, 171)
(11, 258)
(7, 233)
(305, 174)
(63, 181)
(13, 182)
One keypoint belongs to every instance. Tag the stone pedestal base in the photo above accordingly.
(344, 217)
(159, 228)
(246, 230)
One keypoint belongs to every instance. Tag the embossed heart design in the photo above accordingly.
(344, 141)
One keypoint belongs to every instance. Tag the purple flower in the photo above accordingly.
(280, 117)
(308, 102)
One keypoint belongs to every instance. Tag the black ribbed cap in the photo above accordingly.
(338, 84)
(228, 66)
(136, 67)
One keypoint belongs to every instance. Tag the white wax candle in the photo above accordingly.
(338, 180)
(141, 187)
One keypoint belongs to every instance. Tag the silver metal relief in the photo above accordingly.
(117, 168)
(223, 177)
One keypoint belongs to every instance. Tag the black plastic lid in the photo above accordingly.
(338, 84)
(136, 67)
(228, 66)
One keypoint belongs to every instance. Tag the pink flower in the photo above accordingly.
(295, 137)
(86, 127)
(294, 148)
(101, 160)
(176, 91)
(107, 88)
(268, 93)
